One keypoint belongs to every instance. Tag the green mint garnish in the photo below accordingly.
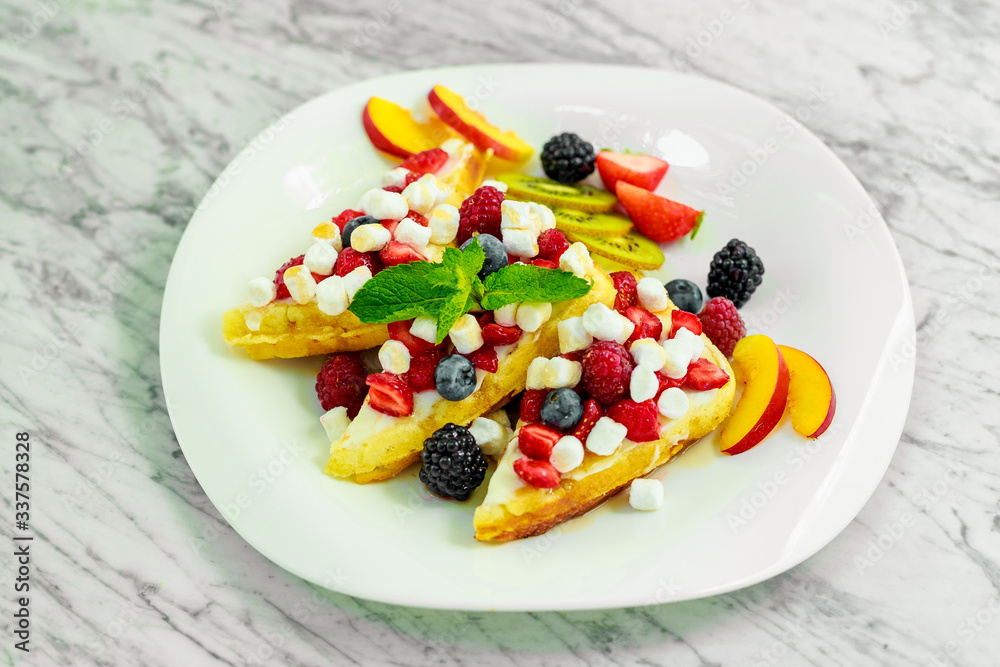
(521, 282)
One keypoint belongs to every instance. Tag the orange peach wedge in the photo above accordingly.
(760, 366)
(392, 129)
(472, 125)
(812, 401)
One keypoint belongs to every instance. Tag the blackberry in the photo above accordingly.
(735, 273)
(567, 158)
(453, 465)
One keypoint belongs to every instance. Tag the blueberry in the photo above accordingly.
(496, 254)
(562, 408)
(455, 378)
(685, 295)
(345, 236)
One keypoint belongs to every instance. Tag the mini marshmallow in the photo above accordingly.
(356, 279)
(395, 178)
(329, 233)
(647, 352)
(559, 373)
(606, 436)
(577, 260)
(628, 326)
(253, 318)
(643, 385)
(520, 242)
(300, 283)
(331, 296)
(370, 238)
(692, 341)
(413, 234)
(335, 422)
(394, 357)
(443, 223)
(490, 435)
(673, 403)
(420, 197)
(466, 334)
(573, 337)
(261, 291)
(506, 316)
(531, 316)
(678, 358)
(603, 323)
(566, 454)
(652, 295)
(516, 215)
(542, 217)
(383, 205)
(441, 190)
(536, 373)
(646, 494)
(499, 185)
(425, 328)
(320, 258)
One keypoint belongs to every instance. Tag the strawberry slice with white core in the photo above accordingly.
(643, 171)
(389, 394)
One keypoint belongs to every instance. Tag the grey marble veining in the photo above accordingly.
(115, 118)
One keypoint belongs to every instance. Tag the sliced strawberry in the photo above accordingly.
(496, 334)
(666, 382)
(401, 331)
(641, 419)
(540, 474)
(393, 188)
(485, 358)
(484, 318)
(683, 319)
(644, 171)
(398, 253)
(345, 217)
(425, 162)
(420, 377)
(592, 411)
(659, 218)
(531, 405)
(543, 263)
(627, 288)
(703, 375)
(389, 394)
(647, 325)
(576, 355)
(537, 440)
(390, 225)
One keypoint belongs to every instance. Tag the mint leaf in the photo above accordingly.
(522, 282)
(402, 292)
(449, 313)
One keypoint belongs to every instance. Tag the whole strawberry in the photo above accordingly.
(341, 383)
(721, 322)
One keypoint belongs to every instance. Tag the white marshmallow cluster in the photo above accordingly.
(466, 334)
(383, 205)
(567, 454)
(681, 350)
(507, 315)
(300, 283)
(425, 328)
(673, 403)
(531, 316)
(320, 258)
(414, 235)
(261, 291)
(331, 296)
(491, 432)
(329, 233)
(646, 494)
(606, 436)
(652, 295)
(356, 279)
(335, 422)
(443, 223)
(573, 336)
(577, 260)
(559, 373)
(520, 225)
(395, 178)
(370, 238)
(424, 194)
(644, 384)
(394, 357)
(604, 323)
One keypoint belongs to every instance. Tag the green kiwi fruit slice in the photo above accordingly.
(597, 225)
(632, 249)
(555, 194)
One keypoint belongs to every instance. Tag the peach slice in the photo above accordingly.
(761, 367)
(812, 401)
(472, 125)
(392, 129)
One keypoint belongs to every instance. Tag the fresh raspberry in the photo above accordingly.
(390, 395)
(543, 263)
(350, 259)
(485, 358)
(531, 405)
(497, 335)
(279, 277)
(537, 440)
(401, 331)
(420, 377)
(681, 319)
(346, 217)
(647, 325)
(425, 162)
(480, 214)
(607, 371)
(341, 383)
(704, 375)
(722, 323)
(641, 419)
(552, 244)
(592, 411)
(540, 474)
(628, 290)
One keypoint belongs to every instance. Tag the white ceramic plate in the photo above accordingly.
(834, 287)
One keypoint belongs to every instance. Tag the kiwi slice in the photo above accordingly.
(597, 225)
(552, 193)
(632, 249)
(611, 266)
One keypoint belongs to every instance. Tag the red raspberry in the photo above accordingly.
(350, 259)
(485, 358)
(496, 334)
(480, 214)
(341, 383)
(628, 290)
(592, 411)
(425, 162)
(641, 419)
(531, 405)
(551, 245)
(704, 375)
(345, 217)
(681, 319)
(607, 371)
(722, 323)
(647, 325)
(281, 290)
(420, 377)
(401, 331)
(537, 440)
(540, 474)
(390, 395)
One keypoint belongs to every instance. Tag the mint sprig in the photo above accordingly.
(447, 290)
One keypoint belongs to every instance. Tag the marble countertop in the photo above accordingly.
(115, 118)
